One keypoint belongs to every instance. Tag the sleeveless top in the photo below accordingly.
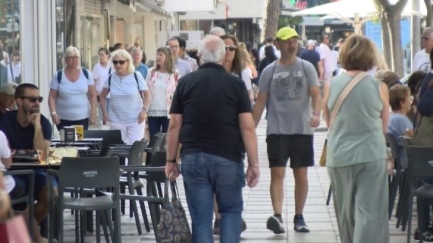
(357, 133)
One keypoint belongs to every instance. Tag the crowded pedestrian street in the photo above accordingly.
(258, 207)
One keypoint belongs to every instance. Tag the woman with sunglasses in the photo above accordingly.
(235, 62)
(130, 98)
(72, 92)
(162, 81)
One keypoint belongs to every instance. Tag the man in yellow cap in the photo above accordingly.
(289, 83)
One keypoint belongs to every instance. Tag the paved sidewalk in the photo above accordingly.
(319, 217)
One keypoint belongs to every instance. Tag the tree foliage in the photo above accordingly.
(289, 21)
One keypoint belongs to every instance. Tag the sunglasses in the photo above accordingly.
(231, 48)
(121, 62)
(33, 99)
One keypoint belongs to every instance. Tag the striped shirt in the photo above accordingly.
(125, 102)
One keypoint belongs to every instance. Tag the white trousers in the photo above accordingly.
(131, 132)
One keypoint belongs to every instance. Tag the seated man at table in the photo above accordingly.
(26, 128)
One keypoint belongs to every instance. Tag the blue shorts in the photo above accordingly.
(41, 181)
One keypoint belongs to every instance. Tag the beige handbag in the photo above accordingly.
(337, 106)
(55, 155)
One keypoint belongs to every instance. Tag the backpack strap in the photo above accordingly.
(12, 72)
(59, 76)
(86, 73)
(109, 81)
(138, 87)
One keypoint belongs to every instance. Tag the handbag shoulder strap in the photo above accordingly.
(343, 95)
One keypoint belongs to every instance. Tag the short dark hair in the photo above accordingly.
(182, 42)
(117, 46)
(172, 39)
(398, 94)
(105, 50)
(21, 89)
(414, 79)
(269, 39)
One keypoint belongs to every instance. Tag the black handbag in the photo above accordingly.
(173, 225)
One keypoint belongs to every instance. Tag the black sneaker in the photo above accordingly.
(300, 225)
(427, 235)
(275, 224)
(217, 225)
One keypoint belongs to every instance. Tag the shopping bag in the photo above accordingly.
(14, 230)
(173, 225)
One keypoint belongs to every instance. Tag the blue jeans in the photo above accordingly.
(423, 207)
(157, 124)
(205, 175)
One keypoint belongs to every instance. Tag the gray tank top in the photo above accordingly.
(356, 135)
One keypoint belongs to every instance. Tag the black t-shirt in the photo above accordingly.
(22, 137)
(313, 57)
(210, 101)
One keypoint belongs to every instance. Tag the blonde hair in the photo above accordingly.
(245, 54)
(358, 53)
(72, 51)
(124, 54)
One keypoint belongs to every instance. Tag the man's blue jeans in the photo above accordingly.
(205, 175)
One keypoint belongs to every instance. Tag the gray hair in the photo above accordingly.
(212, 50)
(429, 30)
(217, 31)
(135, 49)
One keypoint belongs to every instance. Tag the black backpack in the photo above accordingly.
(59, 74)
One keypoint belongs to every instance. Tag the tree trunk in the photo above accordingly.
(270, 23)
(396, 49)
(429, 17)
(386, 40)
(392, 13)
(69, 18)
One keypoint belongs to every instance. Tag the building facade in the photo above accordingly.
(42, 29)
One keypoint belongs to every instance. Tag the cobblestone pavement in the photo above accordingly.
(319, 217)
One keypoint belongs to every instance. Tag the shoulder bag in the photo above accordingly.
(337, 106)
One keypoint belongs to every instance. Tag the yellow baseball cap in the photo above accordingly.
(286, 33)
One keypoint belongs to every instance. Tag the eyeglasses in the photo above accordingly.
(424, 38)
(33, 99)
(120, 62)
(72, 57)
(231, 48)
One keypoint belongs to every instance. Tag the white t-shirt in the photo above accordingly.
(13, 72)
(125, 102)
(421, 62)
(5, 153)
(335, 56)
(72, 103)
(325, 53)
(100, 74)
(158, 107)
(262, 52)
(246, 77)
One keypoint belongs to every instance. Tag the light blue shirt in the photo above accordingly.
(183, 67)
(72, 103)
(142, 69)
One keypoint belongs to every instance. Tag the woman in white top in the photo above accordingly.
(235, 62)
(162, 81)
(72, 98)
(100, 73)
(130, 98)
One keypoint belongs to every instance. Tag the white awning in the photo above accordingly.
(149, 6)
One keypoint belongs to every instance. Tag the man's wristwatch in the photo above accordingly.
(172, 161)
